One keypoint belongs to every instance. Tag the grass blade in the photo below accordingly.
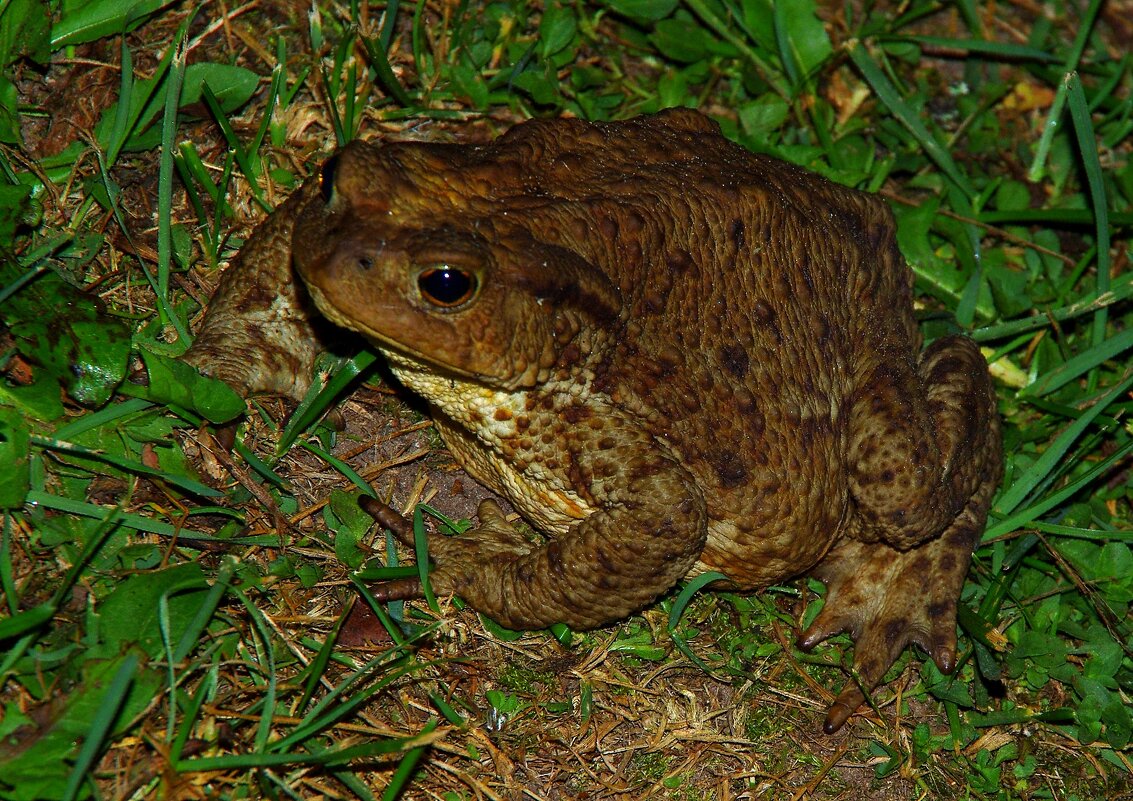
(1082, 363)
(400, 779)
(1088, 150)
(100, 726)
(129, 465)
(889, 95)
(680, 603)
(175, 78)
(1029, 513)
(1055, 452)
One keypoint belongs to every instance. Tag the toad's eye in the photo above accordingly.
(447, 287)
(326, 178)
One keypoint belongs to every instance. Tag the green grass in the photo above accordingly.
(167, 628)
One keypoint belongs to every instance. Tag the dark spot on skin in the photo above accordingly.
(605, 561)
(558, 292)
(745, 404)
(729, 468)
(575, 475)
(647, 380)
(631, 255)
(763, 312)
(825, 329)
(947, 563)
(570, 355)
(804, 271)
(667, 362)
(679, 261)
(944, 368)
(522, 424)
(555, 558)
(939, 611)
(654, 303)
(642, 471)
(607, 443)
(735, 360)
(609, 228)
(576, 414)
(886, 476)
(601, 469)
(260, 297)
(764, 315)
(806, 432)
(502, 414)
(737, 232)
(894, 632)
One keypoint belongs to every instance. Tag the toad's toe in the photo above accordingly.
(886, 599)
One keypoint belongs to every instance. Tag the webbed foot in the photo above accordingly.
(886, 599)
(456, 559)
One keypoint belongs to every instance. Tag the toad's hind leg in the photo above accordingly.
(886, 599)
(921, 500)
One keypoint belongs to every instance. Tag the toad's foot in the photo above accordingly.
(494, 540)
(886, 599)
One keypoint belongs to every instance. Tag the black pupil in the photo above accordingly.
(326, 178)
(446, 286)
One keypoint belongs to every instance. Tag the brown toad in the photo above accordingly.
(671, 355)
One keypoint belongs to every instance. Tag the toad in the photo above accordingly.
(669, 354)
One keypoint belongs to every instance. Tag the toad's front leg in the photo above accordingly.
(261, 333)
(647, 527)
